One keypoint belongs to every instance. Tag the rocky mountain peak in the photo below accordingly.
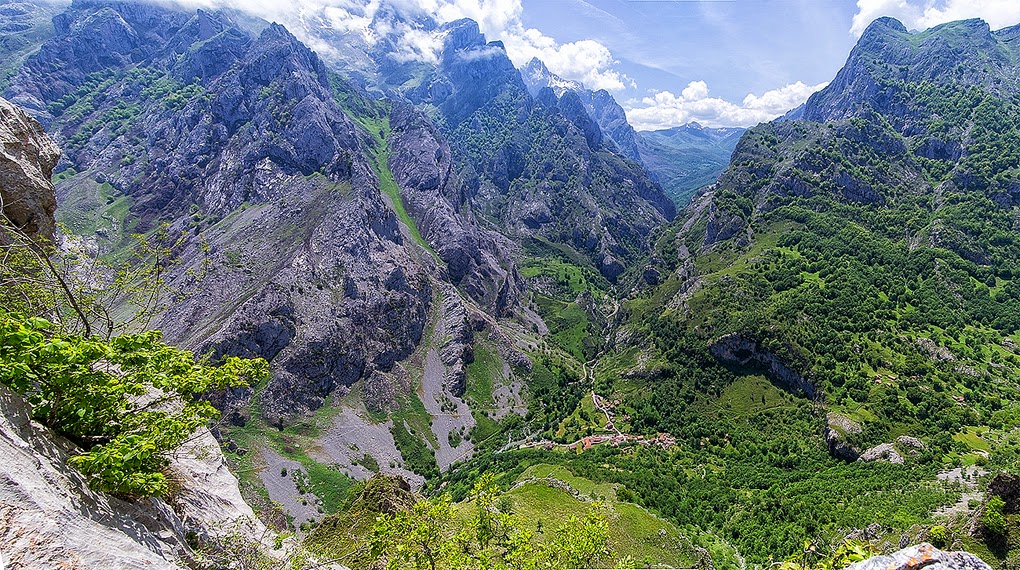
(461, 35)
(537, 76)
(278, 54)
(602, 109)
(962, 53)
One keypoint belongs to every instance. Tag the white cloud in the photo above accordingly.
(923, 14)
(664, 109)
(587, 61)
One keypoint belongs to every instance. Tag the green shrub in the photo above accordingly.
(939, 536)
(127, 401)
(993, 520)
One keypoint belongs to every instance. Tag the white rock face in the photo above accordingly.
(920, 556)
(210, 500)
(884, 452)
(49, 518)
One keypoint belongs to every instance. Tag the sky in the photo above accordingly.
(721, 63)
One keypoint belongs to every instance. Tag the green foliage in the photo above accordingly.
(940, 536)
(993, 518)
(555, 390)
(764, 484)
(847, 553)
(127, 401)
(430, 536)
(417, 456)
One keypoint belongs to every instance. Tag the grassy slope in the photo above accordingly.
(634, 531)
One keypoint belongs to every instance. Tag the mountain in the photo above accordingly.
(881, 220)
(538, 166)
(682, 159)
(24, 26)
(687, 158)
(600, 105)
(367, 247)
(861, 261)
(480, 307)
(291, 211)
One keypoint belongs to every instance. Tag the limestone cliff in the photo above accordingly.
(27, 158)
(50, 518)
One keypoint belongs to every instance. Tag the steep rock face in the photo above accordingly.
(887, 50)
(737, 350)
(839, 430)
(599, 105)
(27, 158)
(41, 528)
(533, 167)
(237, 141)
(50, 518)
(477, 260)
(922, 556)
(1006, 486)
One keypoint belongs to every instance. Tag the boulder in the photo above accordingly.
(838, 428)
(1007, 487)
(920, 556)
(883, 452)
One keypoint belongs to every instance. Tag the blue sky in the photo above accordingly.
(736, 47)
(728, 62)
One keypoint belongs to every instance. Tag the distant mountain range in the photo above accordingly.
(683, 159)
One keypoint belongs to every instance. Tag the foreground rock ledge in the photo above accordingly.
(924, 556)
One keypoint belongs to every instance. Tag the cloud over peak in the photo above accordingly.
(923, 14)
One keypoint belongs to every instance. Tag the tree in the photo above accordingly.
(434, 535)
(83, 292)
(127, 401)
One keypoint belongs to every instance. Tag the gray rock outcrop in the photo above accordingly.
(737, 350)
(920, 556)
(50, 518)
(1007, 487)
(912, 443)
(884, 452)
(477, 260)
(27, 158)
(838, 430)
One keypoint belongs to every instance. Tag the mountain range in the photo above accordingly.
(737, 339)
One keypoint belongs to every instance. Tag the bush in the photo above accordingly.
(993, 520)
(939, 536)
(126, 402)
